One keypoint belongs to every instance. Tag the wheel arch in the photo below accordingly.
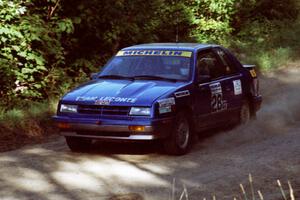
(189, 114)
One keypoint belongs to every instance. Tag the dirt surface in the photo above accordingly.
(268, 148)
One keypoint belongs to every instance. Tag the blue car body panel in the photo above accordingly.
(144, 91)
(209, 104)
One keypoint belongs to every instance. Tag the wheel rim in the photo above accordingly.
(183, 134)
(245, 114)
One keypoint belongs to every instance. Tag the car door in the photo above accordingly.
(212, 93)
(207, 92)
(232, 84)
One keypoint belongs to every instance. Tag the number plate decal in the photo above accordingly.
(217, 102)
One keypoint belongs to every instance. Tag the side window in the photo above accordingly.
(208, 64)
(229, 66)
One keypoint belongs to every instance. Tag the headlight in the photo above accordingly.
(144, 111)
(65, 108)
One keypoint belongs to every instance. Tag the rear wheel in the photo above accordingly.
(245, 113)
(78, 144)
(180, 138)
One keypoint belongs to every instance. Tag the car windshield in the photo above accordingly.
(157, 66)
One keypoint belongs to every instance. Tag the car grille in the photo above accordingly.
(103, 110)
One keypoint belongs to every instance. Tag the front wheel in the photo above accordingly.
(179, 141)
(77, 144)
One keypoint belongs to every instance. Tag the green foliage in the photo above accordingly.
(212, 19)
(29, 48)
(264, 11)
(47, 47)
(103, 27)
(268, 43)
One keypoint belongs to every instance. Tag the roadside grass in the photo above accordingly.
(250, 194)
(31, 124)
(270, 59)
(247, 192)
(266, 58)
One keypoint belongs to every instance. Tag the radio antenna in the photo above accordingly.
(177, 22)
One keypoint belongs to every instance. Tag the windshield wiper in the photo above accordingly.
(115, 77)
(151, 77)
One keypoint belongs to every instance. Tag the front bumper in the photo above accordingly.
(112, 129)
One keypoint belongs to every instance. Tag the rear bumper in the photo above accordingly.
(256, 102)
(111, 129)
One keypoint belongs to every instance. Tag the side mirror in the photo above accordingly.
(204, 78)
(93, 76)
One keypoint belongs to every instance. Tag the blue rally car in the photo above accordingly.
(164, 91)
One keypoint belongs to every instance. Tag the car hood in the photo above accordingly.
(121, 92)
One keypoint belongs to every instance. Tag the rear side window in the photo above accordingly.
(229, 66)
(208, 64)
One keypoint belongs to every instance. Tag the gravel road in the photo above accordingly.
(268, 148)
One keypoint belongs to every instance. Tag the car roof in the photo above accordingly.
(178, 46)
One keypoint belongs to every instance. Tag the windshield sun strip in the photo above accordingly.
(178, 53)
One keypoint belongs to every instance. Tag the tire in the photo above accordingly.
(180, 139)
(77, 144)
(245, 113)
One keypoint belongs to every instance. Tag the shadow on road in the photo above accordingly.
(140, 148)
(144, 148)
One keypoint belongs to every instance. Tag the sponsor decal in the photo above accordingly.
(253, 73)
(165, 105)
(237, 85)
(83, 98)
(166, 102)
(102, 102)
(215, 88)
(106, 100)
(163, 110)
(118, 99)
(154, 53)
(182, 93)
(217, 102)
